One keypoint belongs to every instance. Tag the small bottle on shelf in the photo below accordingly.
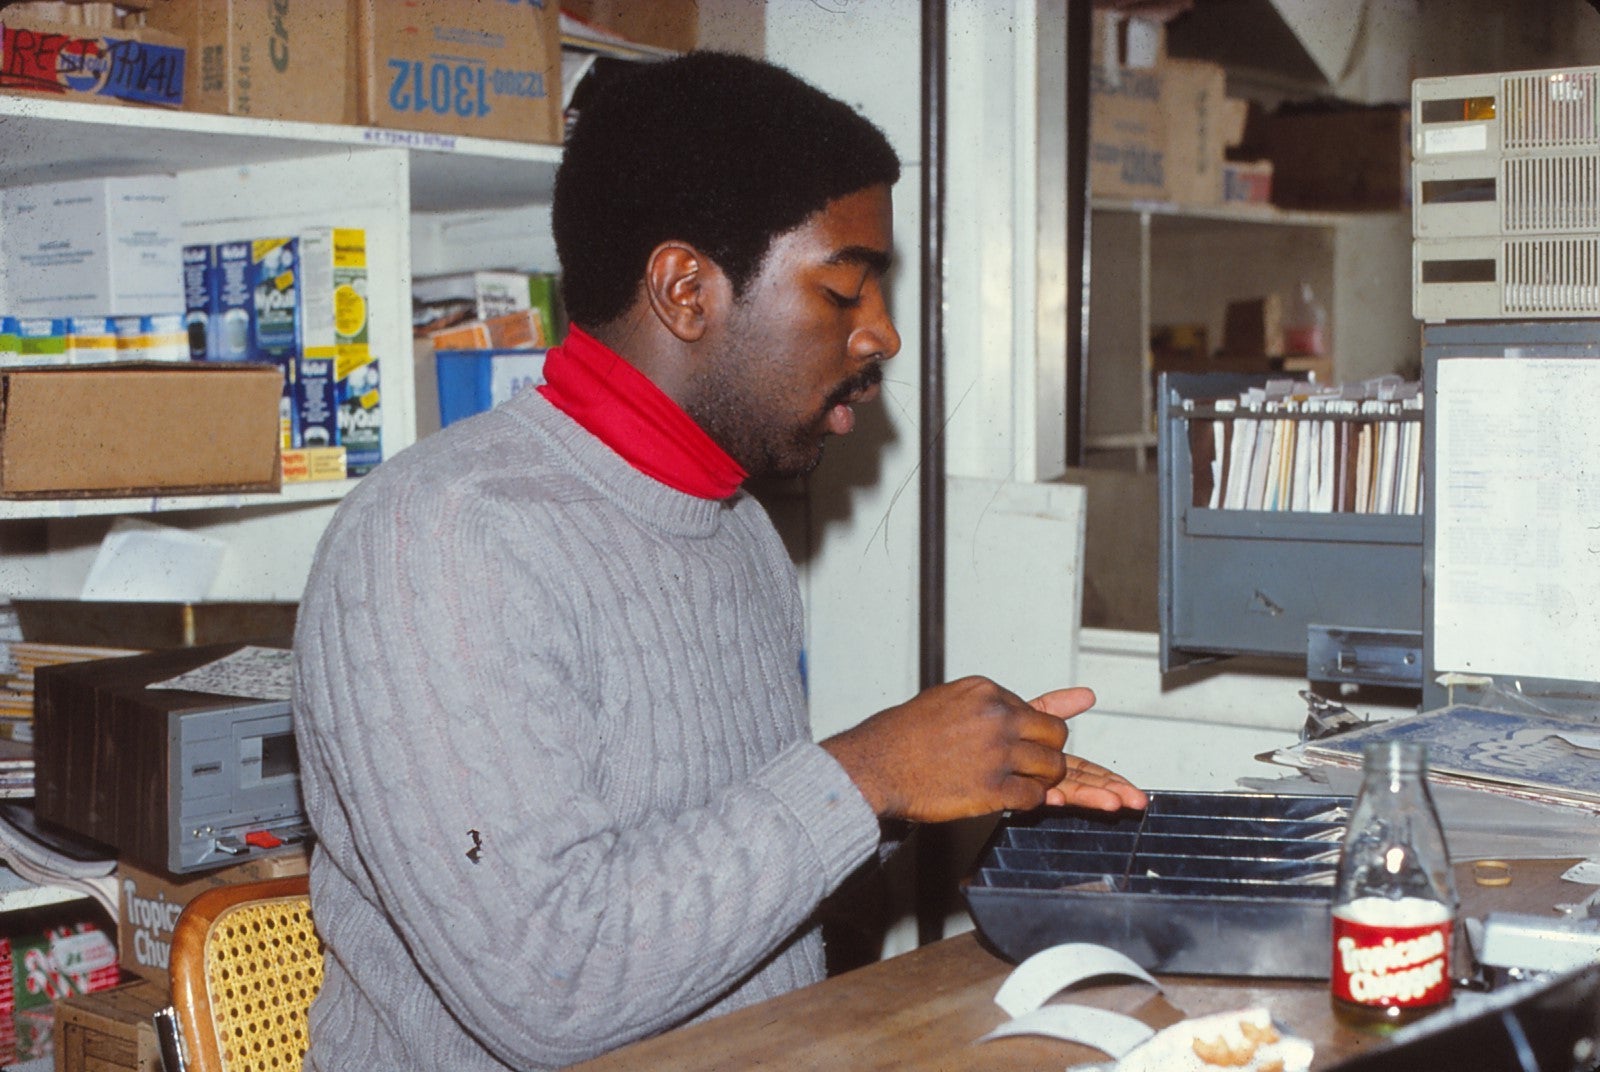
(1305, 324)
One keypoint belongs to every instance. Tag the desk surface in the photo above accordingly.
(925, 1009)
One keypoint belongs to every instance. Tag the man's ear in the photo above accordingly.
(684, 288)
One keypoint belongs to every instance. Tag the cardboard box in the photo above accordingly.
(1201, 122)
(1160, 134)
(152, 338)
(669, 24)
(134, 64)
(484, 68)
(199, 298)
(1341, 159)
(309, 315)
(138, 625)
(94, 247)
(1124, 40)
(131, 429)
(268, 60)
(149, 903)
(42, 964)
(306, 464)
(1247, 183)
(361, 417)
(1253, 327)
(479, 295)
(41, 340)
(110, 1030)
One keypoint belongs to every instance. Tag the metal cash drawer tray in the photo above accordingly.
(1199, 884)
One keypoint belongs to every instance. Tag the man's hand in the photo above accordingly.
(972, 748)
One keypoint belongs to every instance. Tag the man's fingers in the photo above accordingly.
(1090, 785)
(1064, 703)
(1044, 763)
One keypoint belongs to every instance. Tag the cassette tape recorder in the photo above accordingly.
(172, 780)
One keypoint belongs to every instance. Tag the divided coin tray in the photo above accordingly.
(1197, 884)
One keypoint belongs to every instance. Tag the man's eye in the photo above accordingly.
(844, 301)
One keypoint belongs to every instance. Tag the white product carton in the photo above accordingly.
(93, 247)
(487, 294)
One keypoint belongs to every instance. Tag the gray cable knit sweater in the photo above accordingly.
(554, 743)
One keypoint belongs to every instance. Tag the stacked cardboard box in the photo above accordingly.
(151, 901)
(270, 61)
(1340, 158)
(110, 1030)
(484, 68)
(1158, 127)
(114, 64)
(65, 956)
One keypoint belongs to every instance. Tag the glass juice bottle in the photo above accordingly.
(1394, 908)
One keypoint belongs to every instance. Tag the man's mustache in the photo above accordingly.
(870, 376)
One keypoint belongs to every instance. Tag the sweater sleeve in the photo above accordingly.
(444, 717)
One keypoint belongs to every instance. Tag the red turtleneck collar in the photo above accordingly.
(620, 406)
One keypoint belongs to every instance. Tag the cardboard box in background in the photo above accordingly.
(1121, 40)
(126, 429)
(271, 61)
(669, 24)
(62, 954)
(1247, 182)
(469, 295)
(1127, 134)
(110, 1030)
(482, 68)
(1345, 158)
(149, 903)
(1202, 121)
(137, 65)
(1253, 327)
(94, 247)
(1161, 133)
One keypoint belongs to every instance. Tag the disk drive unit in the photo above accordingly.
(1505, 114)
(1506, 195)
(1499, 278)
(174, 780)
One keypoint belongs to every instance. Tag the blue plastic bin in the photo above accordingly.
(473, 381)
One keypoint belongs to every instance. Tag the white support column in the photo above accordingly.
(1005, 271)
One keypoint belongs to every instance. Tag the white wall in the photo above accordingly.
(861, 518)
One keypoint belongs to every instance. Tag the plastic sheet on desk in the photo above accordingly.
(1478, 824)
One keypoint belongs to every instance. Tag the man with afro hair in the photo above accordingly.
(549, 700)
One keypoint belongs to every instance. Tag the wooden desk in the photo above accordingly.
(925, 1009)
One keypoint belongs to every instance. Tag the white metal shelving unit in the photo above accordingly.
(1155, 262)
(427, 202)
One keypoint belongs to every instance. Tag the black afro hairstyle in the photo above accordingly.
(720, 151)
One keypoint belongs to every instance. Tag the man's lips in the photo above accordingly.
(841, 417)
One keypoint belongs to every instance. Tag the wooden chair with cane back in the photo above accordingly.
(246, 962)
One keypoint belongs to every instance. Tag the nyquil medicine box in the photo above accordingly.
(93, 247)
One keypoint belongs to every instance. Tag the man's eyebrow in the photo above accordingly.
(876, 260)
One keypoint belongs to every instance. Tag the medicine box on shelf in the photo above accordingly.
(1280, 583)
(93, 247)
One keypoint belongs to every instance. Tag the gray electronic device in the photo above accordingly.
(1519, 944)
(235, 785)
(174, 780)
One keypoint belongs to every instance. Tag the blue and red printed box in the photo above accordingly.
(140, 66)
